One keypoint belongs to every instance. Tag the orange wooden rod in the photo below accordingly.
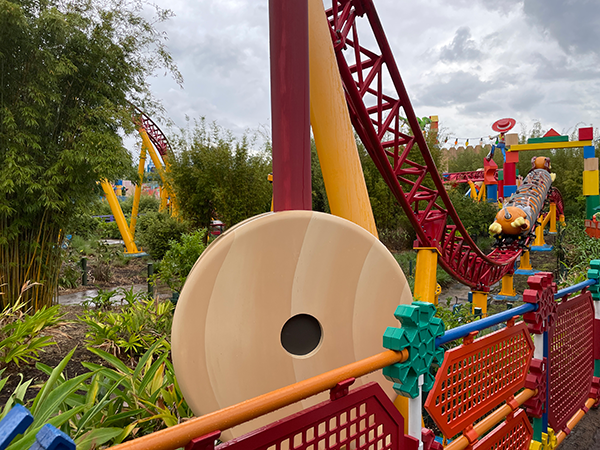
(179, 435)
(490, 421)
(574, 420)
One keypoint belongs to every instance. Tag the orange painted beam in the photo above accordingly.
(574, 420)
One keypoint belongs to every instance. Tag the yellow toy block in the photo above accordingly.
(511, 139)
(591, 182)
(434, 118)
(590, 164)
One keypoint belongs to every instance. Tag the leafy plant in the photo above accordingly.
(70, 272)
(102, 269)
(180, 258)
(20, 333)
(104, 406)
(575, 249)
(454, 316)
(148, 398)
(130, 330)
(157, 230)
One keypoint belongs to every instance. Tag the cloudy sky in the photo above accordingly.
(471, 62)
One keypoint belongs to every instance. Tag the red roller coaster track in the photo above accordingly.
(159, 140)
(404, 160)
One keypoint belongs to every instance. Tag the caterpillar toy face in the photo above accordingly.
(510, 220)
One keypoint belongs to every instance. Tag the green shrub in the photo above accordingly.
(102, 267)
(70, 272)
(575, 249)
(148, 203)
(180, 258)
(155, 231)
(475, 216)
(395, 240)
(109, 230)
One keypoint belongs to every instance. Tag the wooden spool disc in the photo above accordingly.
(277, 299)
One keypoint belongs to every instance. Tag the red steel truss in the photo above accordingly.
(159, 140)
(379, 107)
(463, 177)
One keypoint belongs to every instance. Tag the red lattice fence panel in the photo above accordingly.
(571, 345)
(515, 433)
(479, 375)
(364, 419)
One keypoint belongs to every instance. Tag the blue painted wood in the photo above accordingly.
(14, 423)
(51, 438)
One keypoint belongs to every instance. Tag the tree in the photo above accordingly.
(68, 70)
(215, 175)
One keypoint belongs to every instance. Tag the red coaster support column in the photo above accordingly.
(290, 112)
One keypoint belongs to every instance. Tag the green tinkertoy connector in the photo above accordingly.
(594, 273)
(418, 333)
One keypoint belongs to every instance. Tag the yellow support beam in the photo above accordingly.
(525, 264)
(138, 191)
(425, 275)
(334, 135)
(480, 301)
(548, 146)
(552, 214)
(508, 287)
(119, 217)
(539, 236)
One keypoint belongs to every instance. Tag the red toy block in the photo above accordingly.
(512, 157)
(510, 174)
(586, 134)
(551, 132)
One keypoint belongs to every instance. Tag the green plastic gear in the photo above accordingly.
(594, 273)
(418, 333)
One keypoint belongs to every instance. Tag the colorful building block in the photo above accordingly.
(591, 182)
(510, 173)
(501, 175)
(509, 190)
(548, 139)
(590, 164)
(591, 203)
(511, 139)
(586, 134)
(589, 151)
(512, 157)
(491, 192)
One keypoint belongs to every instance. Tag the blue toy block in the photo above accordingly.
(541, 248)
(51, 438)
(589, 151)
(492, 192)
(14, 423)
(509, 190)
(526, 271)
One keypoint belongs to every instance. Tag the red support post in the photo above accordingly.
(288, 29)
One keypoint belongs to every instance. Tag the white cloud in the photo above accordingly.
(470, 62)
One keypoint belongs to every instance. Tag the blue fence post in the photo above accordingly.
(16, 421)
(51, 438)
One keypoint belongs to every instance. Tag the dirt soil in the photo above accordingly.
(134, 272)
